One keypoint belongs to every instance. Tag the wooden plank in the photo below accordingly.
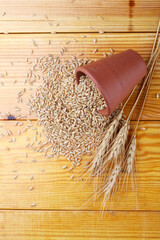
(41, 225)
(17, 48)
(53, 188)
(76, 16)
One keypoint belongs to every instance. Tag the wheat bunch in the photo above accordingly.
(116, 153)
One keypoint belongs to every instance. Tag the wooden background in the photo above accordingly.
(59, 211)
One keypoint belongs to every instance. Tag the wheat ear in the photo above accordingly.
(103, 148)
(130, 155)
(117, 148)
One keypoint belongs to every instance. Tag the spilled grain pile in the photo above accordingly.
(67, 111)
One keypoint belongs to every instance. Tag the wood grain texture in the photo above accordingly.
(53, 188)
(17, 48)
(77, 15)
(40, 225)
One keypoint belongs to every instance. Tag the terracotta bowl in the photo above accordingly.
(115, 76)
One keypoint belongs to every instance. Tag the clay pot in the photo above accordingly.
(115, 76)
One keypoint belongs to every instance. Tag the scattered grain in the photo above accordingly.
(95, 50)
(143, 128)
(100, 17)
(101, 31)
(16, 176)
(33, 160)
(90, 27)
(31, 177)
(67, 111)
(69, 169)
(18, 161)
(95, 40)
(64, 167)
(111, 50)
(33, 204)
(30, 188)
(3, 14)
(56, 24)
(15, 81)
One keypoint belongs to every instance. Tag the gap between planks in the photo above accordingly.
(67, 33)
(78, 210)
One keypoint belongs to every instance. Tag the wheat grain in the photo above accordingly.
(95, 40)
(15, 81)
(31, 177)
(3, 14)
(18, 161)
(69, 169)
(101, 31)
(111, 50)
(64, 167)
(143, 128)
(33, 160)
(100, 17)
(90, 27)
(30, 188)
(95, 50)
(16, 176)
(33, 204)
